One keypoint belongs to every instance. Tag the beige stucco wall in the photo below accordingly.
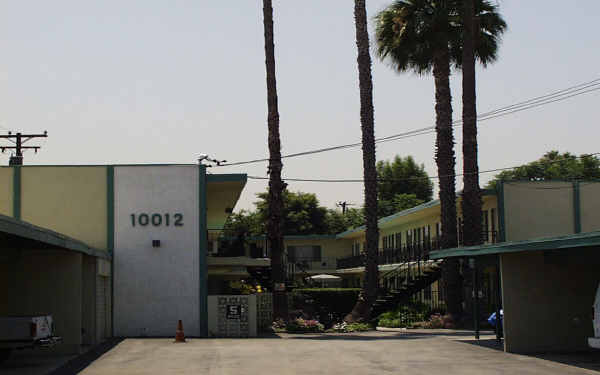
(547, 299)
(538, 209)
(45, 282)
(330, 247)
(68, 200)
(590, 206)
(6, 191)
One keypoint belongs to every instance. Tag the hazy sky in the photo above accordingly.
(152, 81)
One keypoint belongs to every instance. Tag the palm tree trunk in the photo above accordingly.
(363, 307)
(275, 201)
(471, 200)
(444, 157)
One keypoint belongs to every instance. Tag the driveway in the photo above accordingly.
(336, 354)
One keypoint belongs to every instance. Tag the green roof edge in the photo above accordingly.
(539, 244)
(26, 230)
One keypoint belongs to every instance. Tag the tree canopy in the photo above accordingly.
(408, 33)
(554, 166)
(402, 184)
(302, 214)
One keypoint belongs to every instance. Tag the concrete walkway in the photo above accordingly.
(344, 354)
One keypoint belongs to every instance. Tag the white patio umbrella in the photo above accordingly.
(325, 276)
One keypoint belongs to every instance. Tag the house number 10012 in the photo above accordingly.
(156, 220)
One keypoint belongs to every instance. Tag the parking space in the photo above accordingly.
(365, 353)
(33, 362)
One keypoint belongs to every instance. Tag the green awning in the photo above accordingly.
(563, 242)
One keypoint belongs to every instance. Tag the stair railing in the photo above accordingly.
(412, 261)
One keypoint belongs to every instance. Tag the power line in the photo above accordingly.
(412, 178)
(556, 96)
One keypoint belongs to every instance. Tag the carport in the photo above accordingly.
(548, 289)
(45, 272)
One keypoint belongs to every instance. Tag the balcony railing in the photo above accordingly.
(411, 252)
(312, 263)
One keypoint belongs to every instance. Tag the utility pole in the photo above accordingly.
(343, 205)
(19, 139)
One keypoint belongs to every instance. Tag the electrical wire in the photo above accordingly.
(413, 178)
(556, 96)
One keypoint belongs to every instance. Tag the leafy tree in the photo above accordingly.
(301, 213)
(553, 166)
(401, 184)
(398, 203)
(276, 185)
(425, 36)
(338, 222)
(242, 224)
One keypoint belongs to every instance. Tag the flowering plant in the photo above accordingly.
(300, 325)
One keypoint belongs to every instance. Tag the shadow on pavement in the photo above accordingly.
(80, 362)
(486, 343)
(589, 360)
(585, 360)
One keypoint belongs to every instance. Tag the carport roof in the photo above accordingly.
(563, 242)
(34, 236)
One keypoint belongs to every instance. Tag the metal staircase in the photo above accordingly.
(407, 286)
(413, 272)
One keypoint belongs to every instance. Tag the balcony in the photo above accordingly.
(412, 252)
(308, 264)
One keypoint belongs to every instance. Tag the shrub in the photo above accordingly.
(328, 305)
(304, 326)
(436, 321)
(279, 325)
(404, 316)
(352, 327)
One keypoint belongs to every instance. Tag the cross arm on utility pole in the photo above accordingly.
(19, 139)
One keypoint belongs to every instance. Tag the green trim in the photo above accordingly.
(298, 237)
(203, 251)
(110, 238)
(562, 242)
(232, 177)
(17, 193)
(577, 206)
(110, 208)
(501, 212)
(407, 212)
(47, 237)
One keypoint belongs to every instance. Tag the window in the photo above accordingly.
(493, 222)
(356, 249)
(486, 221)
(304, 253)
(399, 240)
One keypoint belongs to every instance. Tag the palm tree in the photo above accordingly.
(276, 186)
(425, 36)
(363, 307)
(489, 22)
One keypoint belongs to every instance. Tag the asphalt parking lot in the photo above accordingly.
(364, 353)
(33, 362)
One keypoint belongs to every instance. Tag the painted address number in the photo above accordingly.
(157, 220)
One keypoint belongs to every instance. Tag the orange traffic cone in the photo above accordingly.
(179, 336)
